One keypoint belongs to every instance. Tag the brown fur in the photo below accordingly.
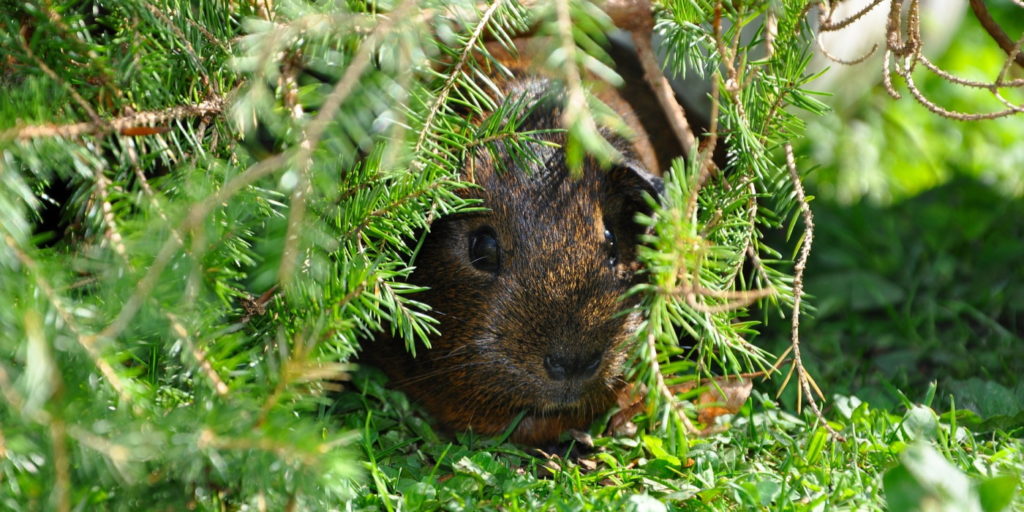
(557, 292)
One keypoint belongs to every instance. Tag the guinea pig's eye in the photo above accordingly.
(484, 252)
(609, 243)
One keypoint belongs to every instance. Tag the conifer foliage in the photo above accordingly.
(207, 206)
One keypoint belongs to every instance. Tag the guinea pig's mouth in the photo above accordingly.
(574, 394)
(564, 397)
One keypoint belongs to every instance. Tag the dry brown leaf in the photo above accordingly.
(583, 438)
(631, 403)
(725, 395)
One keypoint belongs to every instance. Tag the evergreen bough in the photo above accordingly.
(206, 207)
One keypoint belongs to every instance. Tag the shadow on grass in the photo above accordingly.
(930, 289)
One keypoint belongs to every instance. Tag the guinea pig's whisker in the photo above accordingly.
(439, 372)
(489, 362)
(454, 352)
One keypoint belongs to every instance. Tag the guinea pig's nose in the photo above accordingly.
(562, 367)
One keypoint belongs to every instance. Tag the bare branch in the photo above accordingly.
(905, 72)
(991, 86)
(804, 380)
(827, 25)
(663, 90)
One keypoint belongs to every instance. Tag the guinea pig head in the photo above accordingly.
(529, 294)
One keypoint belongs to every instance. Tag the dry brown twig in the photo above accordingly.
(805, 383)
(903, 51)
(635, 17)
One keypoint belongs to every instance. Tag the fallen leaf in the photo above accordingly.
(725, 395)
(552, 468)
(630, 400)
(582, 438)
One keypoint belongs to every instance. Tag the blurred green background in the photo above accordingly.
(917, 270)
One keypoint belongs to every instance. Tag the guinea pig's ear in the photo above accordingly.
(626, 191)
(628, 182)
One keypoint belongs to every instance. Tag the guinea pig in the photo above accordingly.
(530, 293)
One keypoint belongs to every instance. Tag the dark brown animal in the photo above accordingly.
(529, 294)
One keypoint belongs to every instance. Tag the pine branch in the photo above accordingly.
(137, 124)
(455, 74)
(318, 126)
(86, 341)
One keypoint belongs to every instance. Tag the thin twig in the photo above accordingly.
(887, 76)
(827, 25)
(894, 31)
(706, 151)
(636, 16)
(991, 86)
(107, 209)
(146, 188)
(332, 105)
(663, 389)
(61, 465)
(198, 354)
(731, 305)
(905, 72)
(803, 378)
(846, 62)
(663, 91)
